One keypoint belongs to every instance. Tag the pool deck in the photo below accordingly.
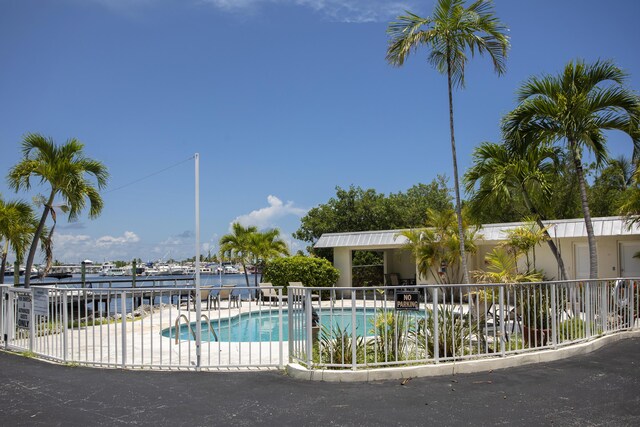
(102, 345)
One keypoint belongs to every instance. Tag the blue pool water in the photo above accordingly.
(265, 326)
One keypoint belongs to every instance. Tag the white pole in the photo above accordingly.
(198, 301)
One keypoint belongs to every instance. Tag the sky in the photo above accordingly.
(283, 100)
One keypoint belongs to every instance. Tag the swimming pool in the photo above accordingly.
(265, 326)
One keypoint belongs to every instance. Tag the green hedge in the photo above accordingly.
(311, 271)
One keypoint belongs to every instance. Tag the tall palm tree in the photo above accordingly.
(17, 225)
(237, 244)
(452, 31)
(504, 176)
(65, 169)
(573, 109)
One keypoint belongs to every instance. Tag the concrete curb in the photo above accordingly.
(465, 367)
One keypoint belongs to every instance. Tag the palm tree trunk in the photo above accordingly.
(550, 242)
(463, 254)
(36, 238)
(593, 254)
(3, 263)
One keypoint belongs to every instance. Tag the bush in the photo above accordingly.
(312, 272)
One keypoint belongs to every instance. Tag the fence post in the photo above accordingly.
(554, 317)
(123, 321)
(309, 326)
(354, 337)
(587, 305)
(65, 323)
(436, 333)
(291, 295)
(32, 322)
(604, 307)
(280, 331)
(503, 317)
(632, 304)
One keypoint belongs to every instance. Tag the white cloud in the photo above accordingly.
(128, 237)
(336, 10)
(267, 217)
(355, 11)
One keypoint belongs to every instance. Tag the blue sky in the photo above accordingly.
(283, 99)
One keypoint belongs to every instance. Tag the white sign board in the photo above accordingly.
(24, 311)
(40, 302)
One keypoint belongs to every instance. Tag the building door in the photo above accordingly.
(581, 260)
(629, 266)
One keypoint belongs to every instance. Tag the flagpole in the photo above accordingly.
(198, 299)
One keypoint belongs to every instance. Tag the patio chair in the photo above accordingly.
(205, 295)
(267, 291)
(314, 297)
(227, 292)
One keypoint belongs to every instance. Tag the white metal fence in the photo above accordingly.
(144, 327)
(360, 328)
(335, 328)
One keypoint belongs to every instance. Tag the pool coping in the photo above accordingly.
(298, 371)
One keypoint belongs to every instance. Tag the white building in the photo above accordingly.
(617, 243)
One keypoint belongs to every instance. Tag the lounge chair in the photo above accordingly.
(267, 291)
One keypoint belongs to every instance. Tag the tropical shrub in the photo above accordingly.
(336, 346)
(311, 271)
(393, 332)
(454, 333)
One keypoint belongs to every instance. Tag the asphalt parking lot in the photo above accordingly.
(601, 388)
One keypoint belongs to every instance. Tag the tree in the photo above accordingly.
(237, 245)
(17, 225)
(357, 209)
(573, 109)
(65, 169)
(509, 177)
(452, 31)
(265, 246)
(436, 248)
(610, 187)
(410, 208)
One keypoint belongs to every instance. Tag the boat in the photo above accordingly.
(229, 269)
(105, 268)
(115, 272)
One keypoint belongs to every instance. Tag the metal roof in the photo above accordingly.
(561, 228)
(386, 238)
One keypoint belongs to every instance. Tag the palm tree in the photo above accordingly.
(452, 31)
(574, 108)
(17, 224)
(504, 176)
(237, 244)
(436, 248)
(65, 169)
(264, 246)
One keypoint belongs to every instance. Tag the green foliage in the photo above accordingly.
(536, 306)
(610, 187)
(454, 333)
(357, 209)
(438, 245)
(311, 271)
(393, 335)
(336, 346)
(572, 329)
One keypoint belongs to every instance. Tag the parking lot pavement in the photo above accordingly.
(601, 388)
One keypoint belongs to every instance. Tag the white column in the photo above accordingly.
(342, 261)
